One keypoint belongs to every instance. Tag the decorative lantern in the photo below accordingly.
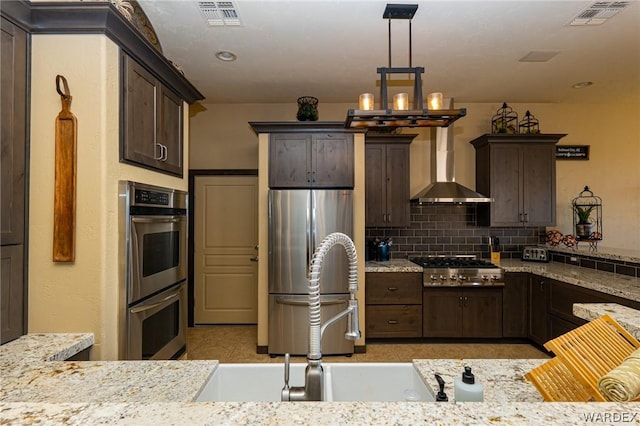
(587, 217)
(505, 120)
(529, 124)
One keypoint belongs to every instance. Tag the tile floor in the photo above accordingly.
(237, 343)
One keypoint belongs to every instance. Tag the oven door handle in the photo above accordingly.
(155, 305)
(157, 219)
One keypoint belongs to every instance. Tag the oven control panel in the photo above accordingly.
(535, 254)
(145, 196)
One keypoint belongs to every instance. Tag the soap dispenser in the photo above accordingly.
(441, 396)
(466, 388)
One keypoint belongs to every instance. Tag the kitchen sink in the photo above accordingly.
(375, 381)
(249, 382)
(342, 382)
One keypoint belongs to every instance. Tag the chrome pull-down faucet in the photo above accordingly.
(313, 389)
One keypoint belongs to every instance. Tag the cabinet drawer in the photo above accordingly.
(394, 321)
(387, 288)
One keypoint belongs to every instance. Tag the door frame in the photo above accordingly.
(193, 173)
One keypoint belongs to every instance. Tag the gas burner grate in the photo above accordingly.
(451, 262)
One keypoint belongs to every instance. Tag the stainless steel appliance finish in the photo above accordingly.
(443, 187)
(157, 326)
(535, 254)
(462, 271)
(153, 234)
(299, 220)
(289, 324)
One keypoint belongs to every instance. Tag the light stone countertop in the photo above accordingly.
(606, 282)
(38, 347)
(627, 317)
(160, 392)
(393, 265)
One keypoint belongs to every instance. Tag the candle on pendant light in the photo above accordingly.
(401, 101)
(434, 100)
(366, 101)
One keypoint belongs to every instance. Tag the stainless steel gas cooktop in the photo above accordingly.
(460, 271)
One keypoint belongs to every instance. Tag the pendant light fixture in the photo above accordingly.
(400, 114)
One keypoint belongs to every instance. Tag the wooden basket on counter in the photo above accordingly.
(583, 356)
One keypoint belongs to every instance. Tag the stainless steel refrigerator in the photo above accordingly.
(299, 220)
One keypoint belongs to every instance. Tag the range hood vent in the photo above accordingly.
(444, 188)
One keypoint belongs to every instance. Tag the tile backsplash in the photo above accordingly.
(449, 229)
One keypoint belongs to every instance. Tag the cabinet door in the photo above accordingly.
(515, 305)
(332, 160)
(375, 185)
(290, 160)
(397, 176)
(442, 312)
(482, 312)
(14, 130)
(12, 293)
(506, 185)
(385, 321)
(386, 288)
(539, 185)
(538, 322)
(140, 109)
(170, 131)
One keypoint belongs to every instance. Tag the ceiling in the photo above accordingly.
(470, 49)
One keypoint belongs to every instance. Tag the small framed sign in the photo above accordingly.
(572, 152)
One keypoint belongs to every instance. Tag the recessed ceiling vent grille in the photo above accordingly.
(219, 13)
(599, 12)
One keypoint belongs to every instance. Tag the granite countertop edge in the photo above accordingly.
(162, 392)
(606, 282)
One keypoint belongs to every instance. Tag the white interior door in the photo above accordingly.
(225, 246)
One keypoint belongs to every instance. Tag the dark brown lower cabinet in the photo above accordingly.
(562, 297)
(515, 305)
(538, 321)
(12, 295)
(393, 304)
(456, 312)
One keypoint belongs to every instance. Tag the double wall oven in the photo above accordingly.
(153, 318)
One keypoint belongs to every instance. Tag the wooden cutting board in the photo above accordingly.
(64, 200)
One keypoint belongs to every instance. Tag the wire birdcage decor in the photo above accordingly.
(587, 217)
(505, 120)
(529, 125)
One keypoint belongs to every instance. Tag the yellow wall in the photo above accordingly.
(81, 296)
(221, 138)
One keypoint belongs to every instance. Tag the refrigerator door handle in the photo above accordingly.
(289, 301)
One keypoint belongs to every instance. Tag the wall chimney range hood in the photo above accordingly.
(444, 188)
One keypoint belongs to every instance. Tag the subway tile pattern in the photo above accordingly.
(449, 229)
(623, 267)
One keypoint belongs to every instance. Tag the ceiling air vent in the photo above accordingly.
(219, 13)
(599, 12)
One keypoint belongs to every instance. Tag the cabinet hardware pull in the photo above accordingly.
(526, 217)
(392, 288)
(253, 258)
(392, 322)
(155, 150)
(165, 151)
(389, 217)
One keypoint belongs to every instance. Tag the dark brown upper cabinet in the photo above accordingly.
(13, 285)
(311, 160)
(152, 121)
(519, 173)
(387, 198)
